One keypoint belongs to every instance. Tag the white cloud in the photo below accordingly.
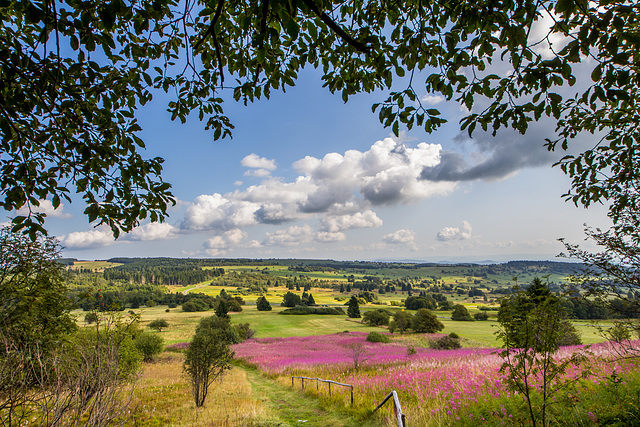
(98, 237)
(45, 207)
(290, 236)
(151, 231)
(217, 212)
(400, 236)
(254, 161)
(432, 99)
(366, 219)
(340, 188)
(259, 173)
(229, 240)
(327, 237)
(455, 233)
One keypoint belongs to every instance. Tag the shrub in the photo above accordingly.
(262, 304)
(90, 318)
(195, 305)
(149, 345)
(481, 316)
(460, 313)
(446, 342)
(376, 337)
(209, 354)
(158, 324)
(376, 317)
(244, 331)
(313, 310)
(392, 326)
(426, 322)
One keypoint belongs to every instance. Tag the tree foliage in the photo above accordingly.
(461, 313)
(353, 310)
(74, 75)
(208, 355)
(262, 304)
(532, 328)
(34, 308)
(426, 322)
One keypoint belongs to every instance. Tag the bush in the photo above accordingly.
(426, 322)
(313, 310)
(195, 305)
(460, 313)
(262, 304)
(376, 317)
(90, 318)
(376, 337)
(445, 343)
(481, 316)
(209, 354)
(158, 324)
(244, 331)
(149, 345)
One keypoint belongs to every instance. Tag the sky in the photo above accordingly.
(309, 176)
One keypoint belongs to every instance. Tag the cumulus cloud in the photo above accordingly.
(152, 231)
(98, 237)
(290, 236)
(455, 233)
(328, 237)
(400, 236)
(219, 245)
(491, 157)
(217, 212)
(45, 207)
(254, 161)
(366, 219)
(388, 173)
(432, 99)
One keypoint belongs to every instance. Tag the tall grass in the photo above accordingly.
(163, 398)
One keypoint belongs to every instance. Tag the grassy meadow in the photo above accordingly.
(253, 394)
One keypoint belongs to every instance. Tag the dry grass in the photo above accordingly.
(163, 398)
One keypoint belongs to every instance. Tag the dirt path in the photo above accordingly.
(294, 408)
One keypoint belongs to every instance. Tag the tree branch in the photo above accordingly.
(210, 30)
(359, 46)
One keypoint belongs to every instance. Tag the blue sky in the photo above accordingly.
(308, 176)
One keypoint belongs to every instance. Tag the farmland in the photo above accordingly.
(436, 387)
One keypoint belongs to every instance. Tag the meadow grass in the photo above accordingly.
(163, 398)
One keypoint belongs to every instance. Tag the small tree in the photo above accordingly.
(460, 313)
(291, 300)
(377, 317)
(222, 309)
(403, 320)
(353, 310)
(531, 332)
(149, 345)
(358, 353)
(262, 304)
(209, 354)
(158, 324)
(426, 322)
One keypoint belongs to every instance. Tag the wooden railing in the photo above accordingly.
(318, 381)
(397, 409)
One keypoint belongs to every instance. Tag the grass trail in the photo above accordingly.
(294, 408)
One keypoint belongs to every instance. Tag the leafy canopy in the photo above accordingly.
(74, 74)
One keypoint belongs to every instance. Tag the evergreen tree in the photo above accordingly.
(263, 304)
(354, 308)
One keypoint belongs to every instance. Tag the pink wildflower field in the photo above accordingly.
(433, 384)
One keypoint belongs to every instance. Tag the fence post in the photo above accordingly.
(303, 383)
(291, 381)
(329, 389)
(317, 384)
(351, 395)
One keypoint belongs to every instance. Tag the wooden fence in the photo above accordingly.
(397, 409)
(318, 381)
